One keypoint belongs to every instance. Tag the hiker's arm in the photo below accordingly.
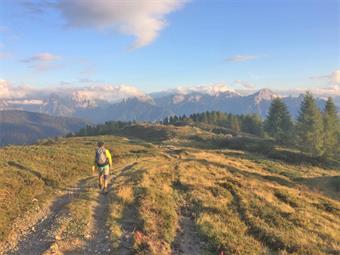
(108, 155)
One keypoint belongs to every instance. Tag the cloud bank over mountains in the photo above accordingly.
(332, 78)
(115, 93)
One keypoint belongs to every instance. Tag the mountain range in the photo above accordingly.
(100, 104)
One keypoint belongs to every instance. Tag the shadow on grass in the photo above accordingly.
(130, 221)
(41, 238)
(327, 185)
(234, 170)
(47, 181)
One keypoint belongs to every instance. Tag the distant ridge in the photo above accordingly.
(99, 106)
(23, 127)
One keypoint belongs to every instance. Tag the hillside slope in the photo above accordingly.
(168, 195)
(21, 127)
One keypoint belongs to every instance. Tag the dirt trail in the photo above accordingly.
(128, 226)
(100, 234)
(100, 241)
(38, 238)
(187, 240)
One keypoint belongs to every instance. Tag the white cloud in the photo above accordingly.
(335, 77)
(245, 84)
(4, 55)
(241, 58)
(42, 61)
(4, 29)
(143, 19)
(42, 57)
(332, 78)
(325, 92)
(7, 91)
(107, 92)
(214, 89)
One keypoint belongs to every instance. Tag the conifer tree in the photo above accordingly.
(205, 117)
(331, 129)
(235, 124)
(166, 121)
(252, 124)
(309, 128)
(279, 123)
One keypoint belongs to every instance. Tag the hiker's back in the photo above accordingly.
(101, 158)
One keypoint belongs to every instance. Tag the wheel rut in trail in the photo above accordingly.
(129, 221)
(271, 243)
(42, 234)
(100, 242)
(128, 226)
(187, 240)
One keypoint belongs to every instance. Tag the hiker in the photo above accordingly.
(103, 161)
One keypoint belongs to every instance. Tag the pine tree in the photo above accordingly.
(235, 124)
(214, 118)
(252, 124)
(309, 128)
(331, 129)
(205, 117)
(279, 123)
(166, 121)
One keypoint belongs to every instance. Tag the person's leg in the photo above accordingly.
(100, 180)
(105, 182)
(101, 177)
(106, 177)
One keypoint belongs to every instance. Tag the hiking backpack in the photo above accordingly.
(101, 159)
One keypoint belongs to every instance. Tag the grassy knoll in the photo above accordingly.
(32, 174)
(178, 195)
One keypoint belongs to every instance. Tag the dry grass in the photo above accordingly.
(240, 203)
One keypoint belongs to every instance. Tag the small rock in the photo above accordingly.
(57, 237)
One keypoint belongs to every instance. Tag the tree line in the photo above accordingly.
(314, 131)
(248, 123)
(108, 127)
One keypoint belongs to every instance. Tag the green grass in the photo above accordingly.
(240, 202)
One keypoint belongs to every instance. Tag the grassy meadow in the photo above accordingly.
(175, 190)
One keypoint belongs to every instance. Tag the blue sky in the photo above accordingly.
(280, 44)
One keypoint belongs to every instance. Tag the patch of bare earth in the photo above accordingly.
(187, 240)
(37, 230)
(100, 237)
